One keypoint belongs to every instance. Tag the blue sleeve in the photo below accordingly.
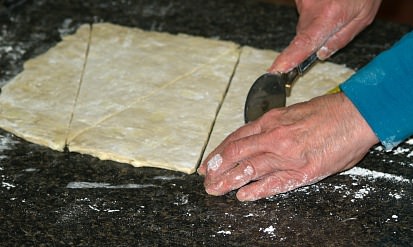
(382, 91)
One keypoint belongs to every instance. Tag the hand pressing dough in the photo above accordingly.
(321, 78)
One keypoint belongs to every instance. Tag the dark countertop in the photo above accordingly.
(39, 205)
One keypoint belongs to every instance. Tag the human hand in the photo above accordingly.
(288, 148)
(325, 26)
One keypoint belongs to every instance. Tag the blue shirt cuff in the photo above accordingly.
(382, 91)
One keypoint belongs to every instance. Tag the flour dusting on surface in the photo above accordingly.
(181, 200)
(224, 232)
(172, 177)
(410, 141)
(373, 175)
(67, 27)
(94, 185)
(400, 150)
(361, 193)
(269, 230)
(6, 143)
(7, 185)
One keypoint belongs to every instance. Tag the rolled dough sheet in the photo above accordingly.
(38, 103)
(144, 98)
(321, 78)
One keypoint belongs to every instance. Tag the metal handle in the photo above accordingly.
(291, 76)
(301, 68)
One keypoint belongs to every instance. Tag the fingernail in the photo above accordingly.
(324, 52)
(200, 172)
(214, 163)
(214, 189)
(242, 196)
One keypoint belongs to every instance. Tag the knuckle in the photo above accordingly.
(303, 39)
(233, 149)
(270, 115)
(286, 140)
(333, 10)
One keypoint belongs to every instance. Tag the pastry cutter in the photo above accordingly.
(271, 90)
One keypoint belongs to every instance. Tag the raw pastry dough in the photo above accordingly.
(321, 78)
(144, 98)
(161, 92)
(38, 103)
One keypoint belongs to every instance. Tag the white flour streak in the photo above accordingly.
(6, 143)
(361, 193)
(7, 185)
(224, 232)
(401, 150)
(31, 170)
(366, 173)
(269, 230)
(94, 208)
(111, 210)
(215, 162)
(92, 185)
(248, 215)
(66, 28)
(167, 177)
(249, 171)
(396, 195)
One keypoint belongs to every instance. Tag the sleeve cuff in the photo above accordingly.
(382, 91)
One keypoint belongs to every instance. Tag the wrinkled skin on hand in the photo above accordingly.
(288, 148)
(325, 26)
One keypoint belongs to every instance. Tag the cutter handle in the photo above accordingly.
(291, 76)
(302, 67)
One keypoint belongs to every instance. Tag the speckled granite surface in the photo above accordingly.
(49, 198)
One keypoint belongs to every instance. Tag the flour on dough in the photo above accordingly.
(161, 94)
(38, 103)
